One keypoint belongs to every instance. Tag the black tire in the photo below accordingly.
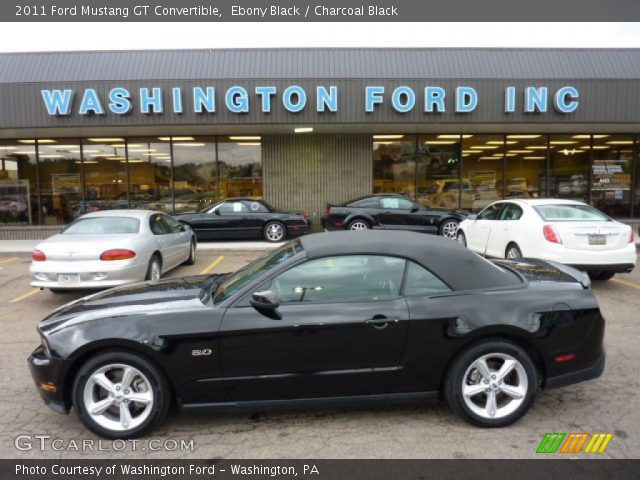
(58, 291)
(512, 252)
(155, 258)
(192, 253)
(462, 239)
(358, 224)
(160, 389)
(270, 229)
(462, 365)
(448, 228)
(601, 276)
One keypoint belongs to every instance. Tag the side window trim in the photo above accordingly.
(404, 281)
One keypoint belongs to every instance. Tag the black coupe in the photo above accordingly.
(331, 319)
(390, 212)
(245, 218)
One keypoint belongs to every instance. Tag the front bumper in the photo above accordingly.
(48, 371)
(92, 274)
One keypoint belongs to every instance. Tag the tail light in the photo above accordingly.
(304, 214)
(327, 212)
(38, 256)
(551, 234)
(632, 237)
(117, 254)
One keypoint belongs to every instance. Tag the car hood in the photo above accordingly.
(173, 294)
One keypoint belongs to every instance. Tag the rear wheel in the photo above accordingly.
(492, 384)
(120, 394)
(358, 224)
(274, 232)
(513, 252)
(601, 276)
(154, 270)
(449, 228)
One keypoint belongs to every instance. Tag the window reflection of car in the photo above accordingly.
(245, 218)
(13, 205)
(445, 193)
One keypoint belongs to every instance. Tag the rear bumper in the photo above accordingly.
(329, 225)
(96, 274)
(615, 260)
(46, 370)
(617, 268)
(589, 373)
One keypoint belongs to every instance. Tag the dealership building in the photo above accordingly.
(178, 130)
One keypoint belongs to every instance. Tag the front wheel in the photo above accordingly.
(119, 394)
(449, 228)
(492, 384)
(601, 276)
(274, 232)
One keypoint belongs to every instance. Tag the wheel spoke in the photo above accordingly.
(513, 391)
(102, 380)
(483, 368)
(99, 407)
(506, 368)
(125, 415)
(127, 377)
(491, 407)
(473, 390)
(140, 397)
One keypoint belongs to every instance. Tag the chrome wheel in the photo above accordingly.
(274, 232)
(449, 229)
(513, 253)
(192, 252)
(358, 225)
(155, 271)
(118, 397)
(494, 386)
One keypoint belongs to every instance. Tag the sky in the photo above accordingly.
(25, 37)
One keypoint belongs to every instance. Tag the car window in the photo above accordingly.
(490, 212)
(348, 278)
(233, 207)
(396, 203)
(255, 207)
(511, 211)
(157, 226)
(171, 224)
(371, 202)
(421, 281)
(570, 213)
(451, 186)
(103, 226)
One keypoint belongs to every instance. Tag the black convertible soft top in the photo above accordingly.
(458, 266)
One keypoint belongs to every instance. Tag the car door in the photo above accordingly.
(178, 241)
(161, 232)
(502, 229)
(341, 331)
(479, 229)
(400, 213)
(254, 220)
(232, 219)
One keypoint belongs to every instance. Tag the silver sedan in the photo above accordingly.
(110, 248)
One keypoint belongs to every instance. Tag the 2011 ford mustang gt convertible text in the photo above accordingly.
(330, 319)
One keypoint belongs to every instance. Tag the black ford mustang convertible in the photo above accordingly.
(332, 319)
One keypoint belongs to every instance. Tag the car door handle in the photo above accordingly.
(380, 321)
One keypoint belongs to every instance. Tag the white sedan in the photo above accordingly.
(110, 248)
(563, 231)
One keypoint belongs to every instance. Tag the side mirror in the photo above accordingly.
(472, 216)
(267, 303)
(217, 211)
(414, 209)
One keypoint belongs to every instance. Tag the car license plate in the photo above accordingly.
(597, 239)
(67, 278)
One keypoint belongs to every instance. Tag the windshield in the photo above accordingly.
(570, 213)
(103, 226)
(255, 269)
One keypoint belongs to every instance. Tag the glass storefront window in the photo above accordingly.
(569, 167)
(18, 183)
(394, 164)
(240, 166)
(611, 174)
(195, 174)
(150, 174)
(526, 166)
(483, 171)
(60, 180)
(438, 171)
(105, 173)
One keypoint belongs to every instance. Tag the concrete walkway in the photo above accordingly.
(26, 246)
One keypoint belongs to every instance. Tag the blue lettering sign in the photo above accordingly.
(237, 100)
(176, 94)
(120, 101)
(403, 99)
(327, 99)
(57, 102)
(91, 103)
(466, 99)
(434, 99)
(149, 102)
(566, 100)
(288, 95)
(373, 97)
(265, 94)
(204, 101)
(510, 100)
(535, 99)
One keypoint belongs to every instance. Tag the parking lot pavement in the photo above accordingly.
(609, 404)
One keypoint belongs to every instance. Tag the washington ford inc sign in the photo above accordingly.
(294, 99)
